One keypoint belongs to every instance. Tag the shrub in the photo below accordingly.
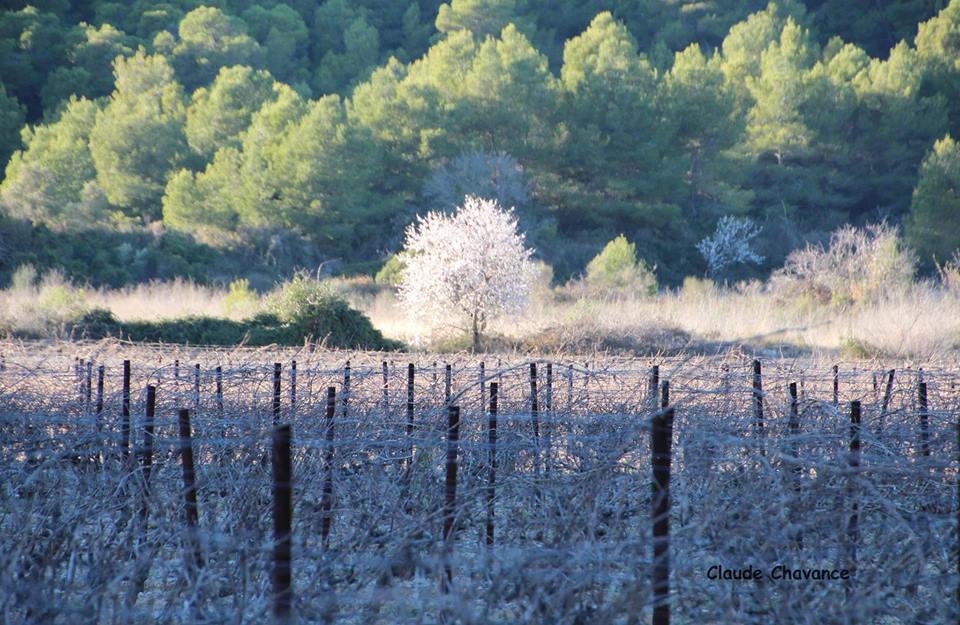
(695, 288)
(949, 273)
(58, 302)
(24, 278)
(616, 270)
(96, 323)
(392, 271)
(240, 301)
(314, 309)
(730, 245)
(859, 265)
(855, 348)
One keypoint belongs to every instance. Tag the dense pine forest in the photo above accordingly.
(216, 139)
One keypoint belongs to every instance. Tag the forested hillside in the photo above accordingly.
(223, 138)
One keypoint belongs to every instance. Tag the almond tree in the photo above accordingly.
(464, 269)
(730, 244)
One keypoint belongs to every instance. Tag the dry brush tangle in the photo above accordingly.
(87, 535)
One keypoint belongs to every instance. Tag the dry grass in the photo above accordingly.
(921, 322)
(918, 322)
(161, 300)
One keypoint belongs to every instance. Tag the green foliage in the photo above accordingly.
(348, 45)
(392, 271)
(139, 135)
(45, 182)
(284, 38)
(645, 117)
(708, 124)
(240, 300)
(859, 349)
(11, 119)
(90, 51)
(313, 309)
(107, 258)
(208, 40)
(24, 278)
(616, 270)
(57, 301)
(776, 123)
(933, 228)
(481, 17)
(219, 115)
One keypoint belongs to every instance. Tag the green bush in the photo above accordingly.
(315, 310)
(392, 271)
(241, 301)
(96, 323)
(616, 270)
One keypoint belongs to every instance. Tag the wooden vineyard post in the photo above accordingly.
(326, 503)
(654, 385)
(548, 420)
(100, 374)
(450, 494)
(447, 383)
(224, 448)
(758, 405)
(99, 453)
(548, 403)
(220, 391)
(125, 416)
(492, 463)
(87, 388)
(293, 389)
(924, 419)
(483, 388)
(853, 522)
(142, 555)
(535, 418)
(276, 393)
(836, 385)
(192, 515)
(410, 405)
(386, 388)
(282, 524)
(887, 393)
(664, 394)
(661, 441)
(147, 457)
(345, 391)
(196, 389)
(794, 425)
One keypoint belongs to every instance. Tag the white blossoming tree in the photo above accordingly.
(730, 244)
(465, 269)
